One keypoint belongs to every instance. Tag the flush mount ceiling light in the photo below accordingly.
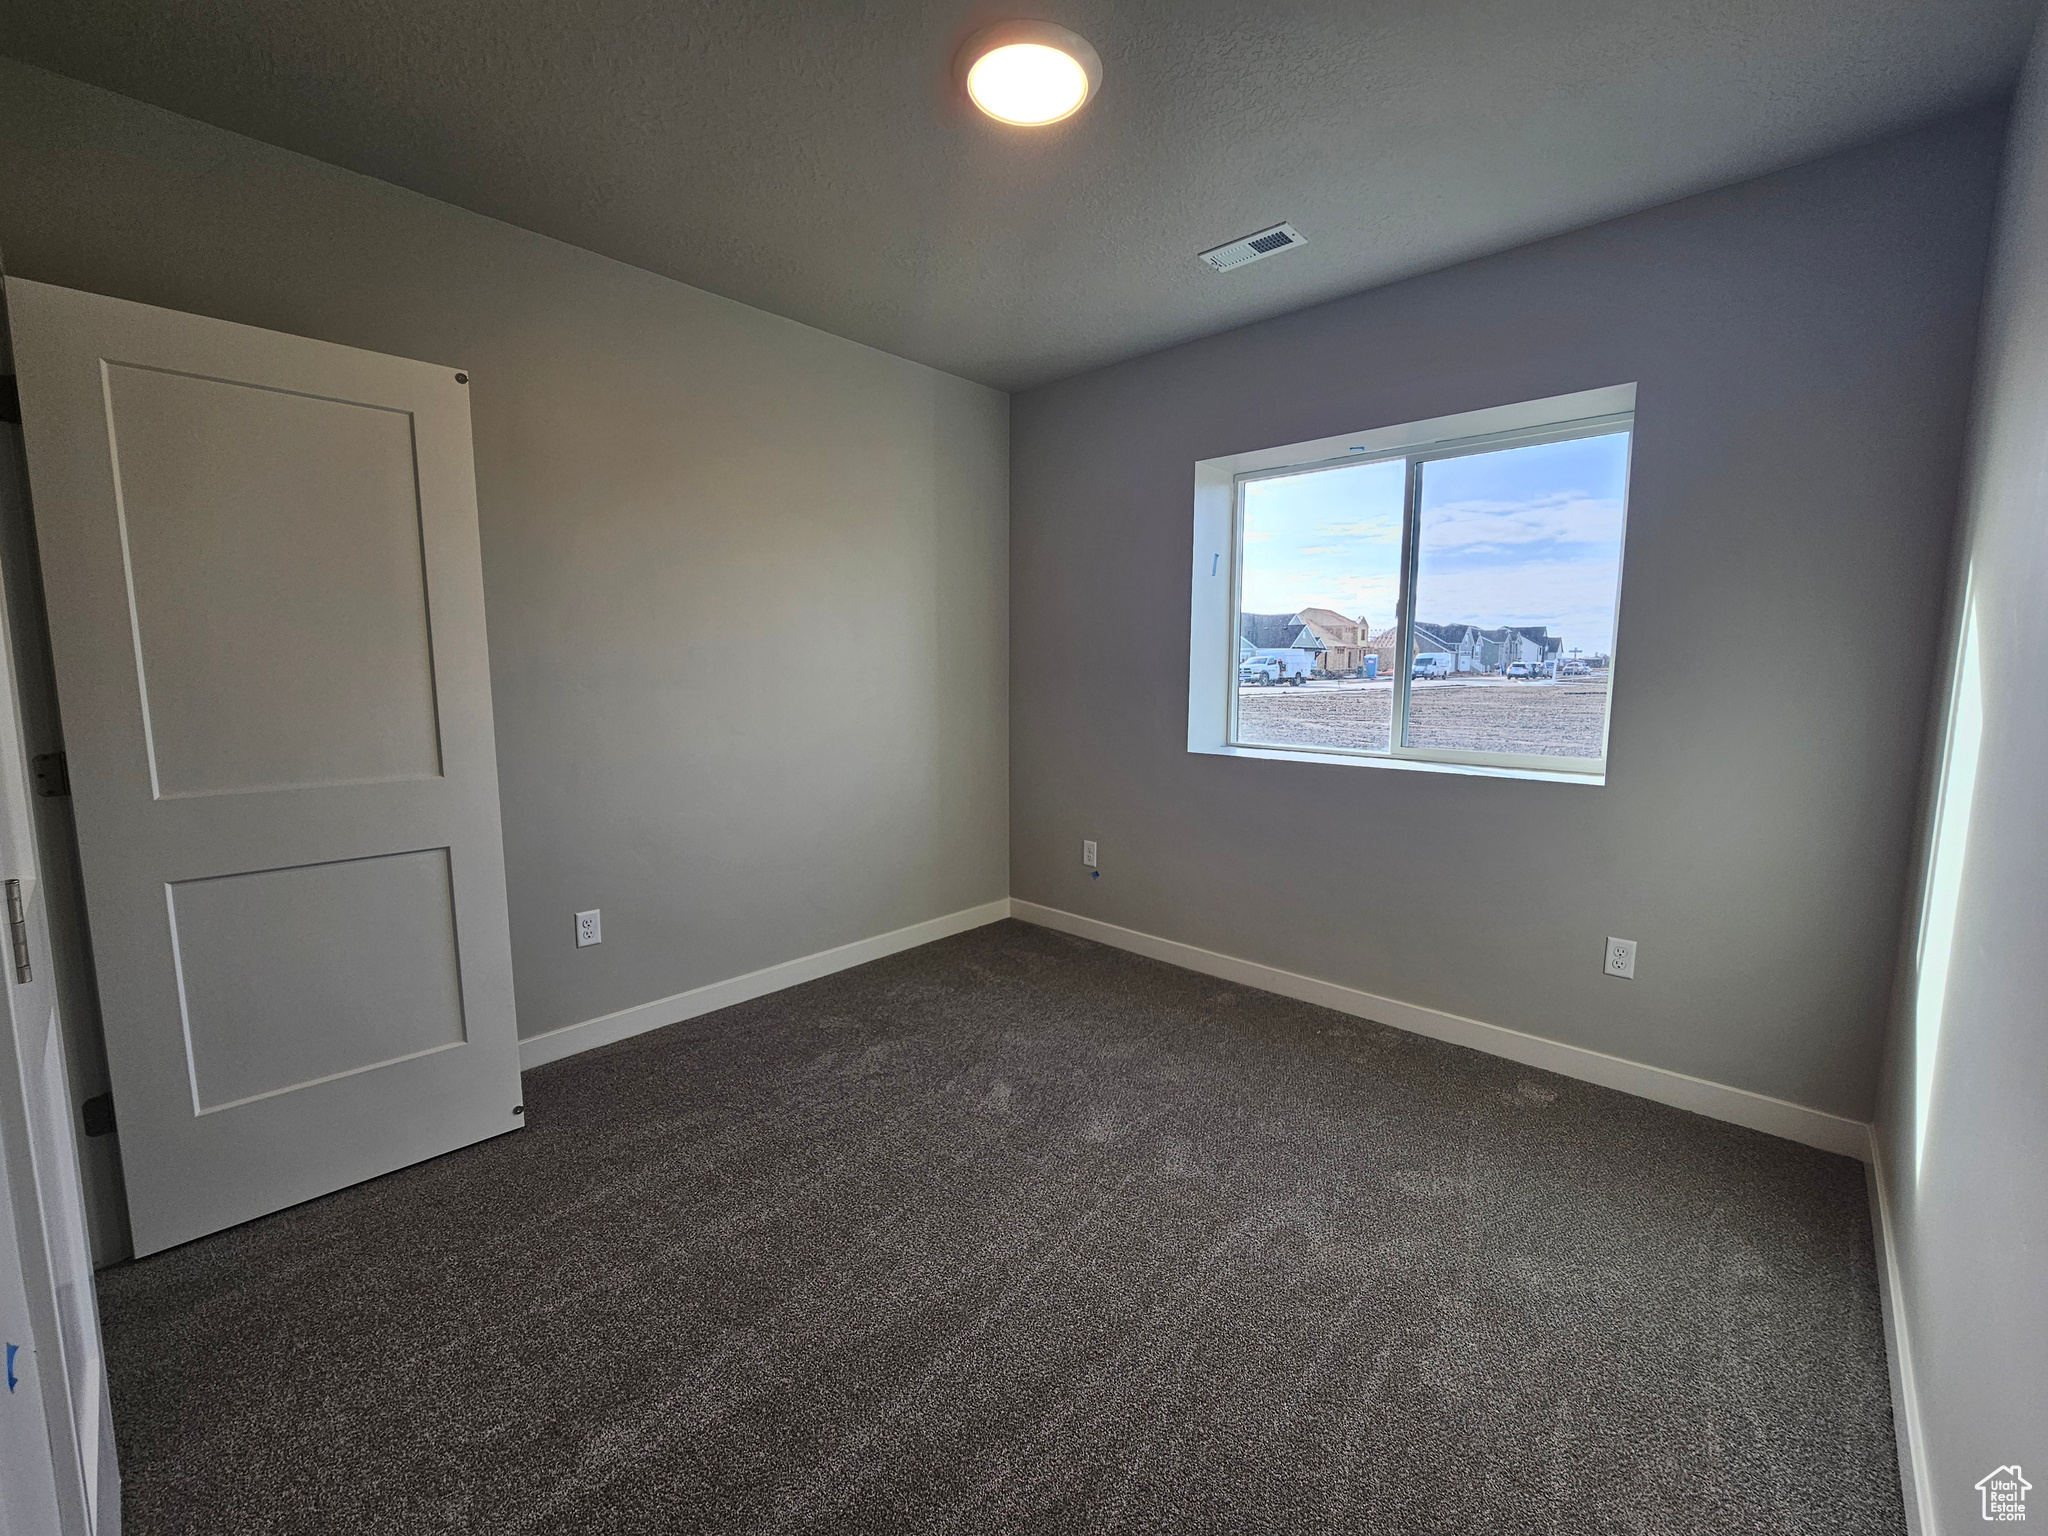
(1029, 72)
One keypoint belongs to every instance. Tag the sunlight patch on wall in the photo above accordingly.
(1945, 874)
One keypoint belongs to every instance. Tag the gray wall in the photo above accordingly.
(1804, 347)
(747, 582)
(1968, 1189)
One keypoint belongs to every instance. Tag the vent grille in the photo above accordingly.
(1253, 247)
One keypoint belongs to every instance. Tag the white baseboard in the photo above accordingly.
(536, 1050)
(1759, 1112)
(1914, 1485)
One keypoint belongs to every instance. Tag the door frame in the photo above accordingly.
(49, 1485)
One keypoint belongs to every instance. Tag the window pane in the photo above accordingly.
(1518, 567)
(1319, 569)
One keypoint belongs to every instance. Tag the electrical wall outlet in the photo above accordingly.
(1088, 852)
(1621, 958)
(588, 929)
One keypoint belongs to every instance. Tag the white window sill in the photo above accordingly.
(1409, 764)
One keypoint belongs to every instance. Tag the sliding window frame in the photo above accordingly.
(1417, 457)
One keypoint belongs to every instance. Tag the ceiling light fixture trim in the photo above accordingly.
(1028, 73)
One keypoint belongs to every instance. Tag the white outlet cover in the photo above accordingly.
(1621, 958)
(589, 928)
(1088, 852)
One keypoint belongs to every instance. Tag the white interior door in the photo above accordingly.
(266, 614)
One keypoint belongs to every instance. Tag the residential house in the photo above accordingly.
(1386, 645)
(1531, 645)
(1474, 649)
(1341, 645)
(1280, 632)
(1346, 642)
(1462, 643)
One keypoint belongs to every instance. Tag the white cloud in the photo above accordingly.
(1567, 517)
(1355, 596)
(1379, 531)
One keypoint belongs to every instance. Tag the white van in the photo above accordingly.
(1431, 665)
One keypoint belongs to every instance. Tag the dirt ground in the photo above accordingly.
(1493, 715)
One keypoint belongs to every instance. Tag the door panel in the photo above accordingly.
(266, 612)
(226, 931)
(272, 549)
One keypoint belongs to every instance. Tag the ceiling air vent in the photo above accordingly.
(1227, 258)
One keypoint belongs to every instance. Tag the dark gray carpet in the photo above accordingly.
(1017, 1233)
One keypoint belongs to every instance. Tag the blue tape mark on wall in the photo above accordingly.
(11, 1349)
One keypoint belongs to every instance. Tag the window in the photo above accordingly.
(1441, 594)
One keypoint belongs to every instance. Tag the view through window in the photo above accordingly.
(1317, 585)
(1455, 603)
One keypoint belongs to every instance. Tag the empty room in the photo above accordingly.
(923, 768)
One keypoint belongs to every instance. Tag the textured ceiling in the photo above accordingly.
(816, 162)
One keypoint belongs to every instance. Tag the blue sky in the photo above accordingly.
(1518, 536)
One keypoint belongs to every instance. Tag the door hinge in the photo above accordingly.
(98, 1113)
(10, 400)
(17, 925)
(53, 775)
